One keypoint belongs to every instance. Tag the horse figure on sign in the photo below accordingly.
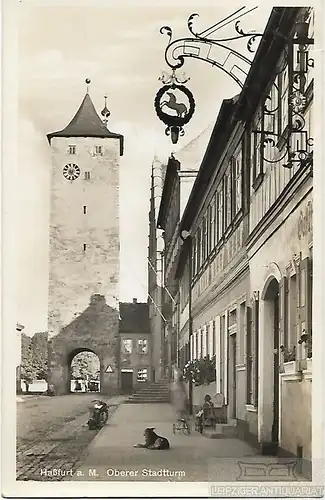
(180, 108)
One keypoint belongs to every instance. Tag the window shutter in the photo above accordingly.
(248, 355)
(283, 311)
(305, 297)
(255, 350)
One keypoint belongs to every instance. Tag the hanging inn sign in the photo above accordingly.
(175, 105)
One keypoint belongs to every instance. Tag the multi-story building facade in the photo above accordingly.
(136, 346)
(244, 265)
(155, 272)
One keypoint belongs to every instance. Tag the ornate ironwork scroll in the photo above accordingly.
(293, 145)
(216, 51)
(169, 102)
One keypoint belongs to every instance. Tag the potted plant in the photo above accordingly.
(306, 339)
(290, 364)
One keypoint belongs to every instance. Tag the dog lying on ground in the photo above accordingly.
(153, 441)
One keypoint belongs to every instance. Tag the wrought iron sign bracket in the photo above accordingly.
(205, 48)
(293, 145)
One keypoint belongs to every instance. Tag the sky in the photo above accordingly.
(121, 50)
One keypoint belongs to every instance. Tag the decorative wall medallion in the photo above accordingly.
(174, 105)
(71, 171)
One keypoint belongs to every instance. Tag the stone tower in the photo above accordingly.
(84, 246)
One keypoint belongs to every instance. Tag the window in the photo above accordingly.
(98, 150)
(194, 257)
(85, 209)
(198, 240)
(85, 247)
(228, 213)
(204, 239)
(126, 346)
(212, 228)
(237, 183)
(293, 310)
(256, 146)
(72, 150)
(142, 375)
(207, 340)
(213, 338)
(220, 211)
(304, 321)
(87, 176)
(201, 343)
(142, 346)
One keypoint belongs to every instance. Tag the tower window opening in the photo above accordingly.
(99, 150)
(85, 209)
(85, 247)
(87, 176)
(72, 150)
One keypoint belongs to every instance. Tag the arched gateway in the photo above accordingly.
(84, 247)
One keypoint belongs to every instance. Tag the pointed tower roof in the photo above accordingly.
(87, 123)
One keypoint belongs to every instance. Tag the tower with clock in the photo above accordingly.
(84, 246)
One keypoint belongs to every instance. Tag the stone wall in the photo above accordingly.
(95, 330)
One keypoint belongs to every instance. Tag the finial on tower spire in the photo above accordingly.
(105, 112)
(88, 81)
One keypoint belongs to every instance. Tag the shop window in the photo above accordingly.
(142, 346)
(142, 375)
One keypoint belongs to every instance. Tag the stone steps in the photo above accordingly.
(153, 392)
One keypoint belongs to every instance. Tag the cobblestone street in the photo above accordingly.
(51, 432)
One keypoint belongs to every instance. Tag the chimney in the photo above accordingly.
(135, 300)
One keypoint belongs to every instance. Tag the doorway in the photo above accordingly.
(270, 365)
(127, 381)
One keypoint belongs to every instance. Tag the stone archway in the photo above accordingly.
(269, 390)
(96, 330)
(84, 371)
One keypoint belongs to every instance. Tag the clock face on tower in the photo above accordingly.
(71, 171)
